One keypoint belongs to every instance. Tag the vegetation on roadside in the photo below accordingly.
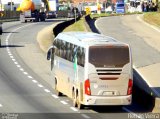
(112, 14)
(77, 26)
(152, 18)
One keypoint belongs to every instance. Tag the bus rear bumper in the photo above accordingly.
(101, 100)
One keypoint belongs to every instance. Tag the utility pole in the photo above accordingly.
(11, 6)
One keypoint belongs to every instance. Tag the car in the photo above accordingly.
(51, 14)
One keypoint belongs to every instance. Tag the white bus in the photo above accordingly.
(91, 69)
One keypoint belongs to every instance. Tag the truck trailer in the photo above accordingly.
(32, 10)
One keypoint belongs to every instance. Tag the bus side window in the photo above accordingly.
(55, 44)
(64, 49)
(58, 47)
(71, 52)
(83, 57)
(74, 53)
(61, 49)
(79, 56)
(68, 51)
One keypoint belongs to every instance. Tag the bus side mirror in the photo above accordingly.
(50, 52)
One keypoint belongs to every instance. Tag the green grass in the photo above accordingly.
(77, 26)
(112, 14)
(152, 18)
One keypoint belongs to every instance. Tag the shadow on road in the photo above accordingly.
(10, 32)
(142, 103)
(11, 46)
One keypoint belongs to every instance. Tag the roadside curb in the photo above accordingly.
(152, 26)
(45, 37)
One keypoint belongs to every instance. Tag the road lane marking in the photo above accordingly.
(39, 85)
(1, 105)
(153, 27)
(34, 81)
(46, 90)
(10, 54)
(21, 69)
(14, 59)
(74, 109)
(18, 66)
(63, 102)
(85, 116)
(25, 73)
(55, 96)
(11, 57)
(16, 62)
(30, 77)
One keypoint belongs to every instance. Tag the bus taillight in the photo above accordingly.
(87, 87)
(130, 84)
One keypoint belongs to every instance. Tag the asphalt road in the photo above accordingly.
(143, 40)
(25, 85)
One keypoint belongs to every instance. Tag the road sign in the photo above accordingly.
(88, 10)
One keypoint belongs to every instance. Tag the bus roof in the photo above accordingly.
(87, 38)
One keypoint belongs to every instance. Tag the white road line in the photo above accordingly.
(18, 66)
(14, 59)
(152, 26)
(132, 113)
(25, 73)
(10, 54)
(34, 81)
(85, 116)
(74, 109)
(21, 69)
(39, 85)
(46, 90)
(55, 96)
(1, 105)
(16, 62)
(11, 57)
(30, 77)
(63, 102)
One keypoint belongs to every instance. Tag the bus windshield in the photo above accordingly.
(106, 56)
(120, 5)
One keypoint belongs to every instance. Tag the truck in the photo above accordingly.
(32, 10)
(51, 8)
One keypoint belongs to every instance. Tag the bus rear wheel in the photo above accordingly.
(79, 105)
(57, 92)
(74, 99)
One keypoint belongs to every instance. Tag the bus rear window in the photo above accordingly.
(104, 56)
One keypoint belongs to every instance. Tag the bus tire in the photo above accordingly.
(57, 92)
(74, 99)
(79, 105)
